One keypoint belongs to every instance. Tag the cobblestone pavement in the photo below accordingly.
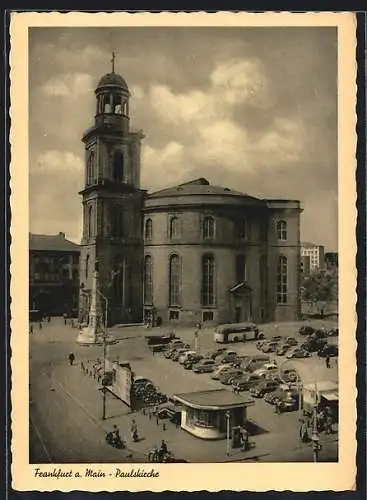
(66, 406)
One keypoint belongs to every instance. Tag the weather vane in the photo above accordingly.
(113, 62)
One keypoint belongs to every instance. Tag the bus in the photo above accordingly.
(237, 332)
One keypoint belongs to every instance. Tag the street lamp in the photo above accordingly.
(228, 418)
(104, 351)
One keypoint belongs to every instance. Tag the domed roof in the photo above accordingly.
(112, 79)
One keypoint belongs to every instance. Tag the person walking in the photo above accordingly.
(65, 316)
(327, 361)
(71, 358)
(31, 329)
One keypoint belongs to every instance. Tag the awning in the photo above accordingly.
(240, 286)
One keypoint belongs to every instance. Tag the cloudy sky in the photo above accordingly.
(254, 109)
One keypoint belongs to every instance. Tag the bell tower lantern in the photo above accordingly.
(112, 203)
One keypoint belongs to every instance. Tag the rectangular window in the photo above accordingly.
(174, 315)
(208, 316)
(282, 280)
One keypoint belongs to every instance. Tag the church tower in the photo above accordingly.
(112, 206)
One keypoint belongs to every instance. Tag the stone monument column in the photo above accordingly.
(92, 334)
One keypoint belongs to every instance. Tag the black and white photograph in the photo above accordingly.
(184, 247)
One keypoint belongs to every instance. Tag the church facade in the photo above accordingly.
(190, 253)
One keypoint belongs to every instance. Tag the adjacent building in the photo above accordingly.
(312, 257)
(190, 253)
(331, 260)
(53, 274)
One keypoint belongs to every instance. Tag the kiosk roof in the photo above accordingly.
(213, 399)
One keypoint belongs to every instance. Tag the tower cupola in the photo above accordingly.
(112, 95)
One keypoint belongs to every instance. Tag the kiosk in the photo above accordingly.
(205, 414)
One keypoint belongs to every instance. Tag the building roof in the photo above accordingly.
(200, 186)
(309, 244)
(112, 79)
(213, 399)
(52, 243)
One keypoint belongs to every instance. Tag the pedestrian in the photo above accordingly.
(82, 366)
(244, 439)
(49, 319)
(327, 361)
(65, 316)
(150, 415)
(157, 419)
(164, 426)
(177, 424)
(40, 325)
(329, 424)
(31, 329)
(71, 358)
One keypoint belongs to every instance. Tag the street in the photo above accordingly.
(66, 406)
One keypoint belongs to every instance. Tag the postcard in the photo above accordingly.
(183, 278)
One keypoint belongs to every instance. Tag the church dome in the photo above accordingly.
(112, 79)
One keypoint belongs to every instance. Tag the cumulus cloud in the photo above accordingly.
(162, 165)
(69, 85)
(59, 163)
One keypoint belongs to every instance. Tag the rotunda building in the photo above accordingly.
(214, 255)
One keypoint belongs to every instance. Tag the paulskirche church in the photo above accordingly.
(187, 254)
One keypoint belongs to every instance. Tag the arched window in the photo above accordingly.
(208, 228)
(148, 281)
(90, 221)
(282, 230)
(148, 233)
(90, 169)
(241, 273)
(207, 288)
(242, 228)
(174, 280)
(174, 227)
(87, 267)
(282, 280)
(118, 166)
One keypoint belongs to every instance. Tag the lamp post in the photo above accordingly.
(228, 418)
(104, 351)
(315, 435)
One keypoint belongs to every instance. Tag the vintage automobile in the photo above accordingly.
(186, 355)
(255, 362)
(266, 368)
(216, 352)
(220, 370)
(313, 344)
(227, 377)
(282, 349)
(291, 341)
(204, 366)
(306, 330)
(297, 352)
(331, 350)
(226, 357)
(269, 346)
(245, 382)
(193, 360)
(263, 388)
(333, 332)
(178, 353)
(286, 394)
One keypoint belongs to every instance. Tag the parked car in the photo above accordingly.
(185, 356)
(204, 366)
(282, 392)
(178, 353)
(333, 332)
(320, 333)
(291, 341)
(226, 357)
(263, 388)
(313, 344)
(189, 363)
(266, 368)
(255, 362)
(329, 350)
(306, 330)
(282, 349)
(245, 382)
(260, 343)
(227, 377)
(220, 370)
(277, 338)
(216, 352)
(287, 375)
(296, 352)
(269, 347)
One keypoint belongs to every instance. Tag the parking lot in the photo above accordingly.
(276, 436)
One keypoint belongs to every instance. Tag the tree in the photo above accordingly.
(320, 287)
